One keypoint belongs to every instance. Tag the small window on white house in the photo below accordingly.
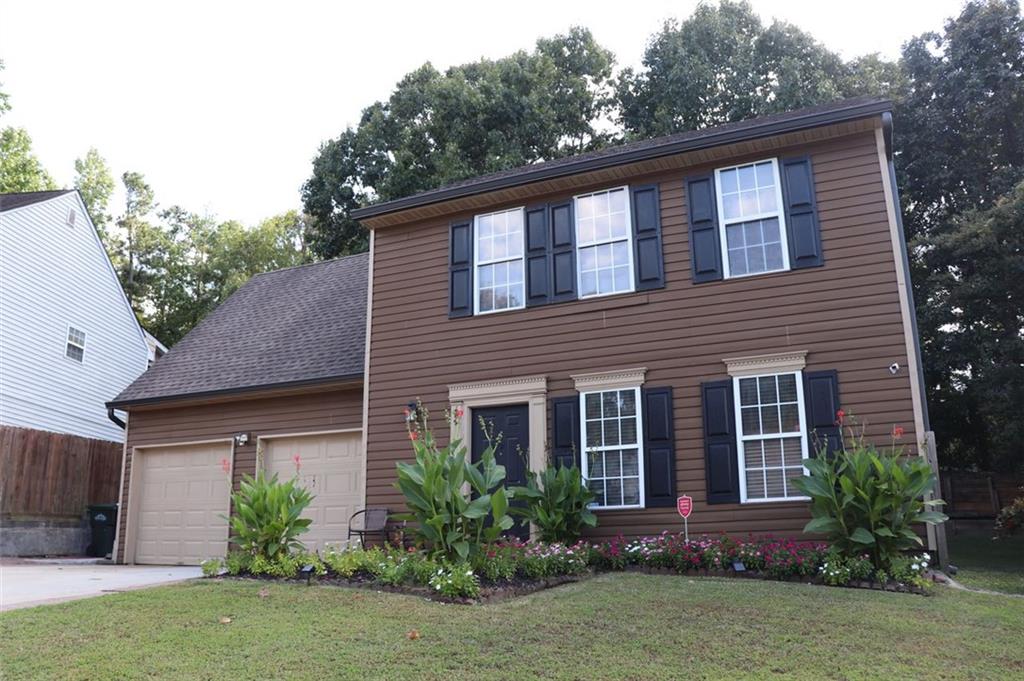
(613, 449)
(72, 216)
(498, 249)
(751, 219)
(773, 441)
(604, 243)
(75, 348)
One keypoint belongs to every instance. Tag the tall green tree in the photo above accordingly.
(95, 183)
(5, 99)
(476, 118)
(960, 155)
(20, 170)
(139, 245)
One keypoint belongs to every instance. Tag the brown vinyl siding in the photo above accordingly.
(303, 413)
(845, 314)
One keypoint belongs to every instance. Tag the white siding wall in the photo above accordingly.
(53, 275)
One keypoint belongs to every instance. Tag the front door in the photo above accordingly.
(513, 425)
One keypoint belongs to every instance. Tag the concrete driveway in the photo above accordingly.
(24, 583)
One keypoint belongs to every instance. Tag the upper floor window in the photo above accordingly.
(75, 348)
(751, 219)
(773, 440)
(612, 447)
(498, 248)
(604, 243)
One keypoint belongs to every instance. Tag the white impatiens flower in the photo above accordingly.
(469, 573)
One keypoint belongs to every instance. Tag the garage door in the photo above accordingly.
(184, 491)
(331, 468)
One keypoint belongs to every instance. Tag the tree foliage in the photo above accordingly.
(20, 170)
(95, 183)
(437, 128)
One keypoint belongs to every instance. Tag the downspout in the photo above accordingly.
(115, 418)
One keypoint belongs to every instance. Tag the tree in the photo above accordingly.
(960, 151)
(5, 99)
(477, 118)
(134, 249)
(96, 185)
(723, 65)
(20, 170)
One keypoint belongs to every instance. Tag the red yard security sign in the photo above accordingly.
(684, 505)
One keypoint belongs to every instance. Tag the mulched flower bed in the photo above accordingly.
(895, 587)
(489, 592)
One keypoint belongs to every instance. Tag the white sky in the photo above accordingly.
(222, 105)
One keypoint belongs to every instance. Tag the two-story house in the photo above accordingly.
(681, 315)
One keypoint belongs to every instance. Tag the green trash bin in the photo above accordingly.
(103, 521)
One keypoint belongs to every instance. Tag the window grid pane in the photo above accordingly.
(603, 243)
(751, 218)
(612, 453)
(771, 436)
(499, 261)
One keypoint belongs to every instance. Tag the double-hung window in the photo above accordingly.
(75, 344)
(604, 248)
(773, 440)
(613, 447)
(751, 219)
(498, 249)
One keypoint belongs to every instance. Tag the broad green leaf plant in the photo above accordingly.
(867, 500)
(267, 521)
(456, 505)
(557, 503)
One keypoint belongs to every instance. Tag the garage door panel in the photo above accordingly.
(184, 494)
(331, 469)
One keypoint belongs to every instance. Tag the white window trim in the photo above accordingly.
(68, 341)
(780, 214)
(477, 263)
(639, 445)
(579, 244)
(741, 439)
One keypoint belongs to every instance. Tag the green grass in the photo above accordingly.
(629, 625)
(986, 564)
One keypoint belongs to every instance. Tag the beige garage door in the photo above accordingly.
(183, 493)
(331, 468)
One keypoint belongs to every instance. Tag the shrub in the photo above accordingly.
(456, 581)
(1011, 517)
(266, 523)
(867, 501)
(497, 562)
(212, 566)
(345, 563)
(455, 524)
(910, 570)
(557, 502)
(237, 562)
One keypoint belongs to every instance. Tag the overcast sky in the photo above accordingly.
(222, 105)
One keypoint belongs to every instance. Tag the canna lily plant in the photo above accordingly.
(557, 502)
(267, 520)
(457, 505)
(867, 500)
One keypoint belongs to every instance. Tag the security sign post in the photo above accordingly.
(684, 505)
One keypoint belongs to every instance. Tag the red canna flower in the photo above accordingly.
(413, 435)
(459, 412)
(297, 461)
(840, 415)
(897, 432)
(225, 465)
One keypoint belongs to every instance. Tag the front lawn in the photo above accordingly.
(985, 563)
(624, 625)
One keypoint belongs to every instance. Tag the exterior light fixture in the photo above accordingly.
(241, 439)
(307, 571)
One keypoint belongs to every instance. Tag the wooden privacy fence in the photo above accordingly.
(56, 475)
(977, 495)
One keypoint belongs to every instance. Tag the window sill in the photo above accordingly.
(597, 509)
(779, 500)
(612, 301)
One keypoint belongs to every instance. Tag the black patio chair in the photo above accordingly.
(369, 522)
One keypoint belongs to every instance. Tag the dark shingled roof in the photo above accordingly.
(19, 199)
(297, 326)
(825, 114)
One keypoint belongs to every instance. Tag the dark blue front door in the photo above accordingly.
(513, 425)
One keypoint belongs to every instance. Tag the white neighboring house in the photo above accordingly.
(68, 337)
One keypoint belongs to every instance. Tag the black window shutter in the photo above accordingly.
(460, 270)
(563, 251)
(659, 448)
(801, 213)
(565, 431)
(705, 246)
(538, 269)
(721, 468)
(646, 210)
(821, 401)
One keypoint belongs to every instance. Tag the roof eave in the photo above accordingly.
(226, 392)
(712, 139)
